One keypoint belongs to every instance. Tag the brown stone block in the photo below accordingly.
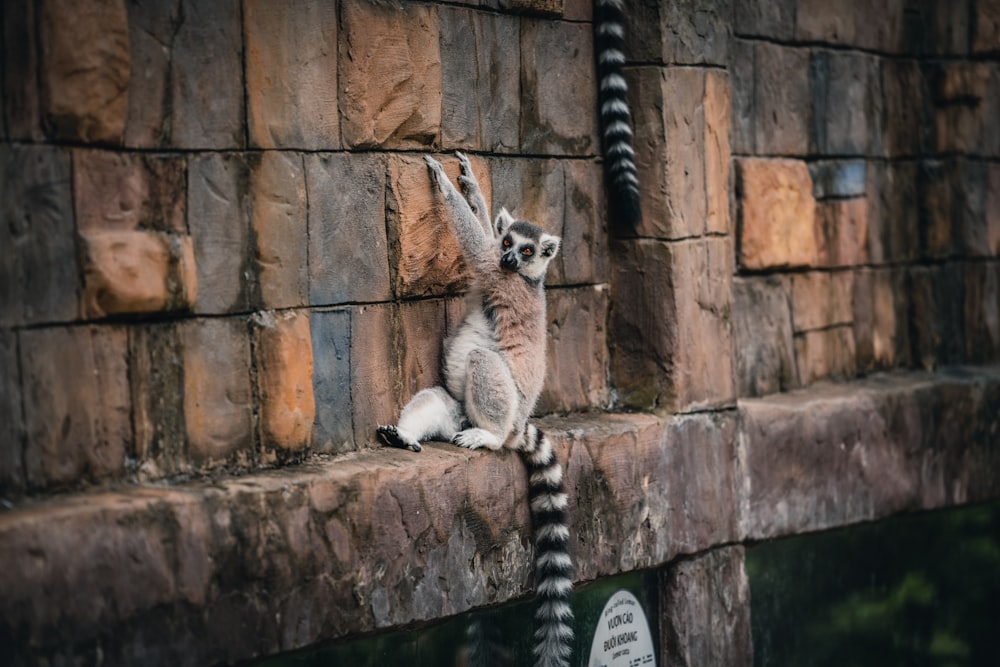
(982, 312)
(282, 348)
(821, 299)
(21, 52)
(688, 32)
(936, 199)
(879, 27)
(881, 333)
(818, 21)
(11, 418)
(743, 117)
(993, 209)
(129, 191)
(583, 255)
(418, 345)
(969, 184)
(39, 262)
(986, 22)
(375, 374)
(156, 376)
(762, 337)
(966, 98)
(577, 373)
(152, 27)
(389, 69)
(481, 104)
(847, 103)
(76, 404)
(429, 259)
(937, 296)
(765, 18)
(706, 620)
(278, 224)
(84, 69)
(137, 272)
(907, 113)
(826, 353)
(777, 214)
(557, 74)
(844, 227)
(718, 156)
(348, 250)
(291, 69)
(218, 413)
(532, 189)
(893, 212)
(782, 103)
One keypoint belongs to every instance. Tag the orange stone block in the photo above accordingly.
(777, 214)
(283, 354)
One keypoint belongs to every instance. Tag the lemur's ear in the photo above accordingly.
(549, 245)
(502, 221)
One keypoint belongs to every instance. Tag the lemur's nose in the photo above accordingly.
(508, 261)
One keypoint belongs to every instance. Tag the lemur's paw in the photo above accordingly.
(437, 171)
(391, 436)
(466, 164)
(474, 438)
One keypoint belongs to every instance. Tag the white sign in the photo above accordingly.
(622, 637)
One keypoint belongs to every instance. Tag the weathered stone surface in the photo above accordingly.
(683, 293)
(217, 397)
(129, 191)
(937, 295)
(937, 198)
(137, 272)
(417, 345)
(762, 337)
(966, 106)
(782, 104)
(821, 299)
(993, 209)
(11, 419)
(278, 225)
(39, 267)
(818, 21)
(777, 214)
(206, 76)
(152, 32)
(291, 70)
(156, 378)
(389, 69)
(839, 178)
(969, 182)
(545, 7)
(347, 232)
(906, 112)
(481, 104)
(331, 344)
(219, 220)
(557, 74)
(982, 319)
(765, 18)
(718, 155)
(283, 358)
(825, 353)
(76, 404)
(879, 27)
(424, 254)
(846, 103)
(893, 212)
(84, 69)
(20, 70)
(690, 32)
(837, 454)
(843, 224)
(375, 374)
(706, 619)
(881, 333)
(577, 370)
(986, 22)
(742, 74)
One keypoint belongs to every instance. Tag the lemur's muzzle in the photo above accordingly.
(508, 261)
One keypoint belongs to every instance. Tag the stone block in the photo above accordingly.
(817, 21)
(893, 212)
(348, 249)
(76, 404)
(557, 74)
(283, 358)
(821, 299)
(129, 191)
(481, 102)
(542, 7)
(128, 272)
(993, 209)
(907, 107)
(417, 343)
(375, 370)
(762, 337)
(825, 354)
(11, 419)
(946, 27)
(577, 356)
(706, 614)
(982, 319)
(782, 106)
(84, 69)
(881, 333)
(778, 225)
(331, 345)
(986, 24)
(718, 154)
(291, 70)
(844, 227)
(879, 27)
(966, 97)
(846, 103)
(969, 183)
(690, 32)
(21, 52)
(743, 117)
(838, 178)
(937, 296)
(218, 217)
(156, 377)
(683, 293)
(205, 77)
(761, 18)
(389, 73)
(218, 409)
(39, 262)
(937, 203)
(423, 252)
(278, 223)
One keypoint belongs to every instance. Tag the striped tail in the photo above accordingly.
(616, 120)
(553, 565)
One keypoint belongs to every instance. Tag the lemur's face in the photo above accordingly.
(524, 247)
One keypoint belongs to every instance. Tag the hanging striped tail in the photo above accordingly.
(616, 120)
(553, 565)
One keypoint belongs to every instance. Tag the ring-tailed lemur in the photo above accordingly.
(619, 158)
(493, 370)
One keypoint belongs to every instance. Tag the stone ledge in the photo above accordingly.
(207, 573)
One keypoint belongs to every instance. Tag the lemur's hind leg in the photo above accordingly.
(491, 399)
(473, 195)
(432, 414)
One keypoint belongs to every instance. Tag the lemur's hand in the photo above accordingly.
(437, 171)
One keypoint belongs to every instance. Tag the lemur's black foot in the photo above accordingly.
(391, 436)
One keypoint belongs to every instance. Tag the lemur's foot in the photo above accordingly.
(474, 438)
(437, 171)
(391, 436)
(464, 161)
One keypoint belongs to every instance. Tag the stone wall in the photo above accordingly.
(221, 266)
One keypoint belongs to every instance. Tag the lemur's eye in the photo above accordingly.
(506, 243)
(527, 251)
